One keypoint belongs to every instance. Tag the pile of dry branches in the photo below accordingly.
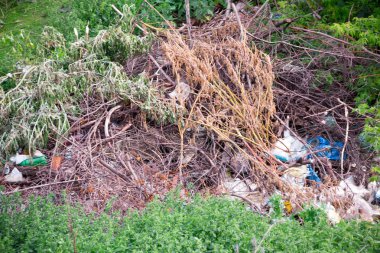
(230, 98)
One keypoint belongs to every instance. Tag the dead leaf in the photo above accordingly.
(56, 162)
(175, 181)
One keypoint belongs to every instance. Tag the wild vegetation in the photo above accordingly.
(357, 20)
(139, 100)
(200, 225)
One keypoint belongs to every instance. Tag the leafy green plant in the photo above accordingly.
(376, 174)
(46, 93)
(7, 4)
(366, 31)
(22, 48)
(344, 10)
(277, 206)
(324, 79)
(100, 14)
(330, 11)
(22, 23)
(367, 88)
(174, 225)
(313, 215)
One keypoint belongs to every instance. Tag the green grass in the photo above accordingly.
(201, 225)
(31, 18)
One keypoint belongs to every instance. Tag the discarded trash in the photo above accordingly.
(275, 16)
(288, 207)
(329, 121)
(288, 148)
(6, 170)
(181, 92)
(361, 209)
(56, 162)
(332, 214)
(296, 175)
(26, 160)
(239, 187)
(313, 176)
(374, 195)
(349, 185)
(244, 189)
(14, 177)
(326, 149)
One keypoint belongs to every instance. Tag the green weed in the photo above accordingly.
(24, 18)
(199, 225)
(37, 109)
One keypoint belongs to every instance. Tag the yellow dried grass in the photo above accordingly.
(233, 97)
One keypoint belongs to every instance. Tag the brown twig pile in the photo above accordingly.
(315, 104)
(232, 93)
(230, 99)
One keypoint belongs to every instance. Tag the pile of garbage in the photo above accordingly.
(292, 151)
(22, 164)
(202, 113)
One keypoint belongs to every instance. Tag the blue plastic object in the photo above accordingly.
(313, 175)
(330, 150)
(281, 158)
(275, 16)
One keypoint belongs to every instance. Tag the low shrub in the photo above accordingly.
(100, 14)
(47, 92)
(174, 225)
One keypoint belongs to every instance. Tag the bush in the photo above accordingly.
(47, 92)
(366, 31)
(367, 87)
(201, 225)
(100, 14)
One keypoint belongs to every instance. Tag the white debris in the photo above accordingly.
(288, 67)
(240, 6)
(349, 186)
(17, 159)
(14, 177)
(296, 175)
(374, 189)
(288, 148)
(181, 92)
(332, 214)
(238, 189)
(361, 209)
